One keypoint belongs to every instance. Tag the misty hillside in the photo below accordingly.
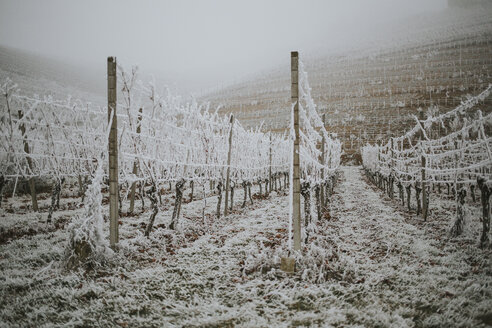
(41, 75)
(371, 90)
(36, 74)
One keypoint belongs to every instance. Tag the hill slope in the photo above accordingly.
(35, 74)
(373, 89)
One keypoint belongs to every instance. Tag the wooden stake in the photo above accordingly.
(392, 169)
(327, 188)
(486, 192)
(322, 190)
(379, 164)
(32, 185)
(228, 172)
(270, 167)
(113, 154)
(135, 165)
(423, 184)
(296, 187)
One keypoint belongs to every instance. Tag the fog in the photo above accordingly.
(196, 43)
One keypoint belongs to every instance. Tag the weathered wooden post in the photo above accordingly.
(460, 213)
(81, 185)
(322, 190)
(135, 165)
(379, 164)
(486, 192)
(328, 182)
(113, 154)
(270, 167)
(296, 187)
(32, 185)
(2, 184)
(425, 204)
(219, 200)
(392, 170)
(425, 196)
(228, 172)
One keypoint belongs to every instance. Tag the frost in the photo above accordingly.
(366, 265)
(87, 242)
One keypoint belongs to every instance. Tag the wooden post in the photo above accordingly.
(327, 191)
(379, 164)
(135, 165)
(113, 154)
(460, 213)
(423, 184)
(425, 196)
(322, 190)
(392, 170)
(228, 172)
(486, 192)
(296, 187)
(270, 167)
(32, 185)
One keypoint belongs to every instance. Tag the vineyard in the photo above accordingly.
(371, 90)
(172, 144)
(460, 160)
(348, 190)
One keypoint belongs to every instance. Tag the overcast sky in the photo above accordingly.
(204, 41)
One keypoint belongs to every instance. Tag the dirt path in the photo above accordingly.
(410, 276)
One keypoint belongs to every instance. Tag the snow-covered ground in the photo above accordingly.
(368, 263)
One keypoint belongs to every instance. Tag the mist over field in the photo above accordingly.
(198, 44)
